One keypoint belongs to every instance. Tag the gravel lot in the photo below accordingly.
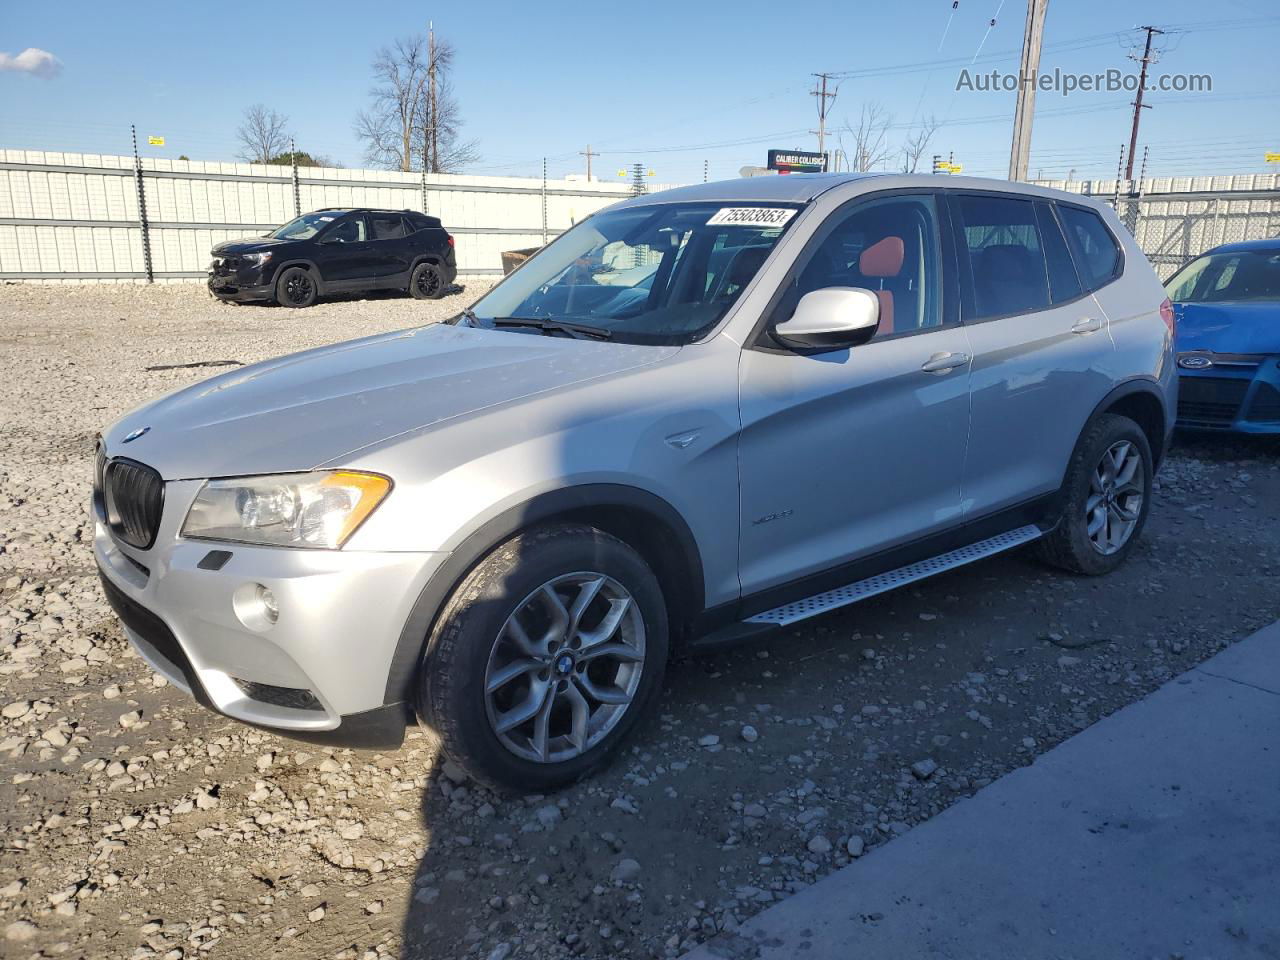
(137, 825)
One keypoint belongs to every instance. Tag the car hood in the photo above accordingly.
(1228, 327)
(246, 245)
(301, 411)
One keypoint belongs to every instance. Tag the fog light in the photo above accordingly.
(269, 605)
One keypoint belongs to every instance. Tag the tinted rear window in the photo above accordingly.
(1006, 258)
(1097, 256)
(387, 226)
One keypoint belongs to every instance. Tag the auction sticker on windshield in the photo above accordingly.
(751, 216)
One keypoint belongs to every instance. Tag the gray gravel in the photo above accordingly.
(137, 825)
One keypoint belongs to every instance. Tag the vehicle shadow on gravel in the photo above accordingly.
(371, 295)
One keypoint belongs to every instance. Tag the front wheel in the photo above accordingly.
(545, 657)
(296, 288)
(427, 282)
(1105, 499)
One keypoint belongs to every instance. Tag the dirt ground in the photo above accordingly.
(137, 825)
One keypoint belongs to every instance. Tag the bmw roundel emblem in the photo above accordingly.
(135, 434)
(1195, 362)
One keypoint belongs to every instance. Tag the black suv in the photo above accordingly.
(338, 250)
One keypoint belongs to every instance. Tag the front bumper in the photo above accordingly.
(242, 282)
(230, 288)
(1236, 393)
(318, 673)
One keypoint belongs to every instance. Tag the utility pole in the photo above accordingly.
(1024, 112)
(825, 100)
(431, 133)
(1137, 102)
(588, 154)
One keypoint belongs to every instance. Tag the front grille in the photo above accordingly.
(1210, 401)
(1266, 404)
(292, 697)
(151, 630)
(133, 497)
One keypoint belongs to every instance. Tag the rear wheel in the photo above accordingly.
(1105, 499)
(427, 282)
(296, 288)
(545, 657)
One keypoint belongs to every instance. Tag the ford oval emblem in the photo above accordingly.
(1195, 362)
(135, 434)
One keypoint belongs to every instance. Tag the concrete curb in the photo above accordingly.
(1154, 833)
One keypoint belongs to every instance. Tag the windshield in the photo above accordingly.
(1224, 277)
(662, 273)
(304, 227)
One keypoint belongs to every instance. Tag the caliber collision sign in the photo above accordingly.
(794, 161)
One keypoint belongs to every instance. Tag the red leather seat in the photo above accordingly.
(881, 260)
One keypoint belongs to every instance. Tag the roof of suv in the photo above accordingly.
(370, 210)
(803, 187)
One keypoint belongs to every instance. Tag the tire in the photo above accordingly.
(464, 698)
(427, 282)
(296, 287)
(1076, 544)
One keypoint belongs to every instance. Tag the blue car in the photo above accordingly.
(1227, 305)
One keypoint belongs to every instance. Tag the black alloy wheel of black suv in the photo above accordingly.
(337, 250)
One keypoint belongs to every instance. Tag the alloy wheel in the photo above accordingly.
(565, 667)
(428, 282)
(298, 288)
(1114, 504)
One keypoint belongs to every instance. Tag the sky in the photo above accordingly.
(686, 88)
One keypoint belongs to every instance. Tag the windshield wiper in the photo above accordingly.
(580, 331)
(467, 314)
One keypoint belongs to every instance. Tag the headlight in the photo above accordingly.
(258, 258)
(318, 510)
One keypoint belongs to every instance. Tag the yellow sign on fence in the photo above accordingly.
(155, 141)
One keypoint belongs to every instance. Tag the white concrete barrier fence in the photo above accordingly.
(76, 216)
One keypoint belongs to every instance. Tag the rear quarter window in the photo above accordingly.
(1096, 252)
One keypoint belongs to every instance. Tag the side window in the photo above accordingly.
(348, 231)
(1064, 284)
(387, 226)
(1092, 244)
(1006, 258)
(889, 247)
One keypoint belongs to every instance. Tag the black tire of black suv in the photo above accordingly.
(453, 700)
(427, 282)
(1069, 546)
(296, 287)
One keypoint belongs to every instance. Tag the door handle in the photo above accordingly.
(1087, 325)
(942, 362)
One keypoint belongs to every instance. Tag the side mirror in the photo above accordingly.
(832, 318)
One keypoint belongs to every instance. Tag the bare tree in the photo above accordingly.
(414, 119)
(870, 138)
(262, 134)
(917, 142)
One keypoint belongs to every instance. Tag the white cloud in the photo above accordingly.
(33, 60)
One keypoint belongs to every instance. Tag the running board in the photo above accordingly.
(843, 596)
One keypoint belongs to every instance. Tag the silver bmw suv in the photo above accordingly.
(695, 416)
